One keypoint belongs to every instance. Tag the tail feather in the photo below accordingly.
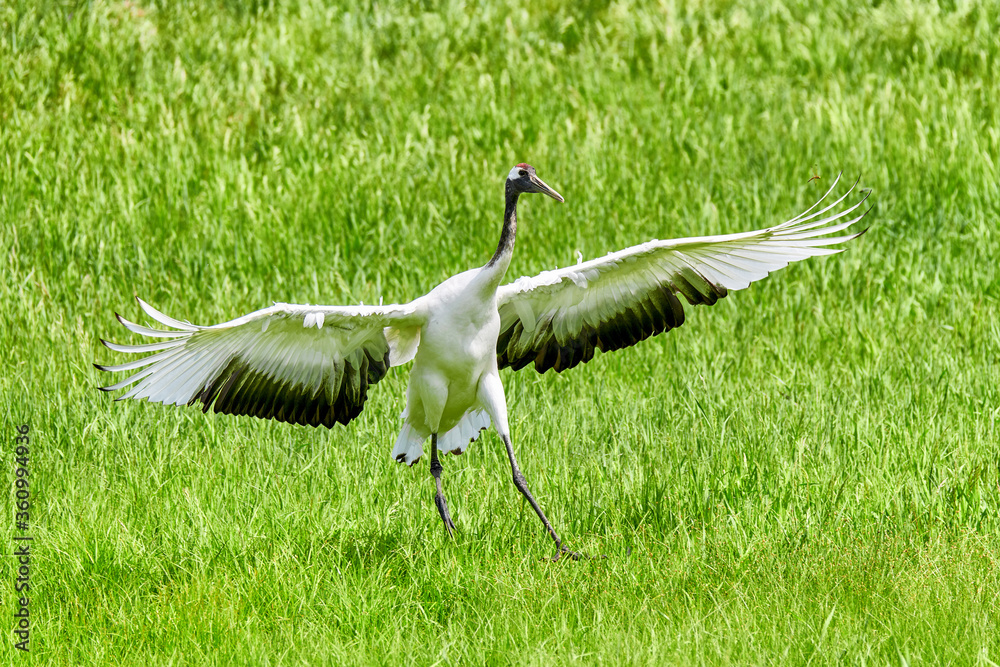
(410, 444)
(465, 432)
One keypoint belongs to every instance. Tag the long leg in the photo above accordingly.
(522, 486)
(491, 395)
(439, 500)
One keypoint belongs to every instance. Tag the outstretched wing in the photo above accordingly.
(558, 318)
(298, 364)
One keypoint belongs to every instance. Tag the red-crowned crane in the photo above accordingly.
(313, 364)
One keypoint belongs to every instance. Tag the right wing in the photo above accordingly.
(306, 365)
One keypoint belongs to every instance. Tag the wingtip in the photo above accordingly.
(867, 211)
(144, 306)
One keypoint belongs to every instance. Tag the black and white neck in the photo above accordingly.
(521, 180)
(505, 247)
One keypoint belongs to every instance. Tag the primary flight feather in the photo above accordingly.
(313, 365)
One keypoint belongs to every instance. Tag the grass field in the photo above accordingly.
(807, 472)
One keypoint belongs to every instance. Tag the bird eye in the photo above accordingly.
(522, 173)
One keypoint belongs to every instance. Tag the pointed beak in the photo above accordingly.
(542, 187)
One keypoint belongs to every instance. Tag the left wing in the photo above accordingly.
(558, 318)
(299, 364)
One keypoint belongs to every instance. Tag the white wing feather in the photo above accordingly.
(558, 318)
(299, 364)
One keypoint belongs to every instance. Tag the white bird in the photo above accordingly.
(314, 364)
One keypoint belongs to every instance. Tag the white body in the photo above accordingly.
(454, 387)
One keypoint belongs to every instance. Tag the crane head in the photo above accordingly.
(522, 179)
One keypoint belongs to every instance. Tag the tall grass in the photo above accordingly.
(806, 472)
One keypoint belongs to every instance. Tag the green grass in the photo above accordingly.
(806, 472)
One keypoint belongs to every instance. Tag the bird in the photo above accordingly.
(314, 365)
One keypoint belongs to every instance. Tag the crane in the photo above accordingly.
(313, 365)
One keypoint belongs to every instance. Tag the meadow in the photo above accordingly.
(808, 472)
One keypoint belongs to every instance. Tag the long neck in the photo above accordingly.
(505, 248)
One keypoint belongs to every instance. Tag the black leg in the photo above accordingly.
(522, 486)
(439, 500)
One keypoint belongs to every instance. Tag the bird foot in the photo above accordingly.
(565, 551)
(442, 506)
(573, 555)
